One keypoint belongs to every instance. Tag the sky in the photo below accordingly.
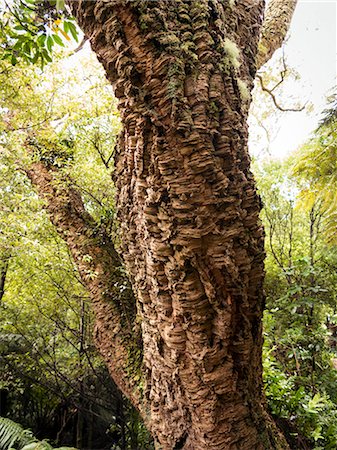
(311, 50)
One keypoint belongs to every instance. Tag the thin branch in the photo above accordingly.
(275, 101)
(3, 275)
(283, 72)
(81, 45)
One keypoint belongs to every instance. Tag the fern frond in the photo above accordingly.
(12, 433)
(14, 437)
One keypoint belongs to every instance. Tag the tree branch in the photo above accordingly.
(275, 28)
(3, 274)
(273, 97)
(102, 273)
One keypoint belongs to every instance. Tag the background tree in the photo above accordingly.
(316, 164)
(300, 309)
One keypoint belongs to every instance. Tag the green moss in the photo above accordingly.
(188, 48)
(143, 24)
(213, 108)
(175, 75)
(168, 39)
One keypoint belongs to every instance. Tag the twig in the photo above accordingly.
(272, 95)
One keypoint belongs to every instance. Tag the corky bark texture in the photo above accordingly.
(275, 28)
(188, 211)
(102, 273)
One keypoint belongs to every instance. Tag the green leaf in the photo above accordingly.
(18, 44)
(46, 55)
(19, 27)
(58, 40)
(50, 43)
(36, 57)
(66, 26)
(73, 31)
(317, 433)
(41, 40)
(27, 47)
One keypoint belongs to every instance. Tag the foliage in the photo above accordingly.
(49, 370)
(315, 165)
(12, 434)
(29, 29)
(301, 304)
(136, 436)
(76, 132)
(313, 415)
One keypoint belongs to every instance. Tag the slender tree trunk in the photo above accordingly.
(188, 210)
(4, 263)
(81, 400)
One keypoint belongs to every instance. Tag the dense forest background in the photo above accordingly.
(51, 378)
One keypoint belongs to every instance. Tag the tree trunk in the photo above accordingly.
(188, 210)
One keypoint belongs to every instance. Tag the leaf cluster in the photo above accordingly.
(29, 30)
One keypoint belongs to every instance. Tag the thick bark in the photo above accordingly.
(275, 28)
(103, 275)
(188, 210)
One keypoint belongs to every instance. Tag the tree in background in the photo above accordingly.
(316, 164)
(300, 310)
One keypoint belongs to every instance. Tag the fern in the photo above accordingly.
(14, 437)
(12, 433)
